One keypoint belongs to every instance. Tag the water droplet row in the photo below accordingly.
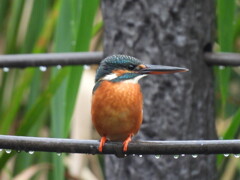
(41, 68)
(8, 151)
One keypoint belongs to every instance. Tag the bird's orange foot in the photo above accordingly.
(102, 142)
(126, 142)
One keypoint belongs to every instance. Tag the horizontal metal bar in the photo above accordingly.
(222, 59)
(88, 58)
(22, 143)
(50, 59)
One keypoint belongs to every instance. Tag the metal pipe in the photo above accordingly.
(222, 59)
(50, 59)
(88, 58)
(58, 145)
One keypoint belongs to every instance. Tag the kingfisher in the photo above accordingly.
(117, 100)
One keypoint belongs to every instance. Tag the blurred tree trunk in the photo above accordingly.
(178, 106)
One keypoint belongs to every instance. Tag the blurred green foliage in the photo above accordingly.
(32, 100)
(227, 89)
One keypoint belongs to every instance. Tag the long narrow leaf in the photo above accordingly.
(10, 114)
(42, 102)
(35, 24)
(62, 43)
(4, 4)
(231, 132)
(84, 33)
(38, 108)
(226, 12)
(14, 21)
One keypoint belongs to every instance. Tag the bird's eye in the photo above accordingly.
(131, 67)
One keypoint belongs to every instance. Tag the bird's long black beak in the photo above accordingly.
(159, 69)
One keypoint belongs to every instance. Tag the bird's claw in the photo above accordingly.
(126, 142)
(102, 142)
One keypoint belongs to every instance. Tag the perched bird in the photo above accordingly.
(117, 105)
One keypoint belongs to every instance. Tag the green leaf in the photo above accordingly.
(13, 26)
(231, 132)
(85, 24)
(73, 33)
(42, 102)
(4, 4)
(226, 14)
(2, 90)
(62, 43)
(223, 78)
(83, 38)
(4, 159)
(97, 28)
(47, 31)
(33, 116)
(11, 112)
(234, 127)
(35, 25)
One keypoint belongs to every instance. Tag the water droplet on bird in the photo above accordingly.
(134, 155)
(31, 152)
(182, 155)
(59, 154)
(140, 155)
(125, 155)
(176, 156)
(8, 151)
(59, 67)
(5, 69)
(194, 155)
(226, 155)
(236, 155)
(157, 156)
(43, 68)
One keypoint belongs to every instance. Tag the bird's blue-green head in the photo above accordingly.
(117, 68)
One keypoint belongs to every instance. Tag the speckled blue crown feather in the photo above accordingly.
(114, 62)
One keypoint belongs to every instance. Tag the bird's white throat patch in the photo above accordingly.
(112, 76)
(134, 80)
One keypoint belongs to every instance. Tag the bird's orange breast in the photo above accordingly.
(117, 109)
